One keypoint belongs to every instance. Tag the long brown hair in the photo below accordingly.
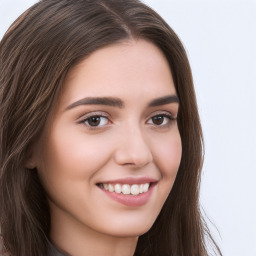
(36, 53)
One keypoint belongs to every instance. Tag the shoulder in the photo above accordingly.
(53, 251)
(2, 249)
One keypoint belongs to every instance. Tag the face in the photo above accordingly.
(111, 148)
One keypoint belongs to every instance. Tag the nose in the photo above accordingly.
(133, 150)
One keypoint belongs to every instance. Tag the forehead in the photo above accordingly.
(132, 69)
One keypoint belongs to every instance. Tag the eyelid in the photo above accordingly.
(164, 113)
(92, 113)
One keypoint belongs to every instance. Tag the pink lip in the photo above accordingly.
(131, 200)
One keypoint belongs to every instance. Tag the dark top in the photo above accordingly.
(53, 251)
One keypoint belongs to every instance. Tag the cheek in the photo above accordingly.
(74, 155)
(167, 154)
(69, 162)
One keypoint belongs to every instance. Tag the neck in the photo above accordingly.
(77, 239)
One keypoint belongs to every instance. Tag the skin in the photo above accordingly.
(72, 157)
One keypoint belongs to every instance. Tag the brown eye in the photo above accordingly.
(161, 120)
(95, 121)
(158, 120)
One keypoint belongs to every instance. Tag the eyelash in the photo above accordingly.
(101, 115)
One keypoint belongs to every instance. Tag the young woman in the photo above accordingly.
(101, 143)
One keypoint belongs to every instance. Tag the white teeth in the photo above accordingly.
(118, 188)
(126, 189)
(145, 187)
(135, 190)
(110, 188)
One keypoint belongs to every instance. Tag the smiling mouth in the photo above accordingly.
(125, 189)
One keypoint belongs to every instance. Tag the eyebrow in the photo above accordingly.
(116, 102)
(164, 100)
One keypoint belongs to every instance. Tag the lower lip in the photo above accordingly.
(131, 200)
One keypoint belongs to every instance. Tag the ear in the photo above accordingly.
(30, 162)
(30, 165)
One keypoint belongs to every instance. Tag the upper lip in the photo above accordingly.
(131, 180)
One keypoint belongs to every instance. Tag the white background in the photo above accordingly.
(220, 39)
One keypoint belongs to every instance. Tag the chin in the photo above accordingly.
(133, 228)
